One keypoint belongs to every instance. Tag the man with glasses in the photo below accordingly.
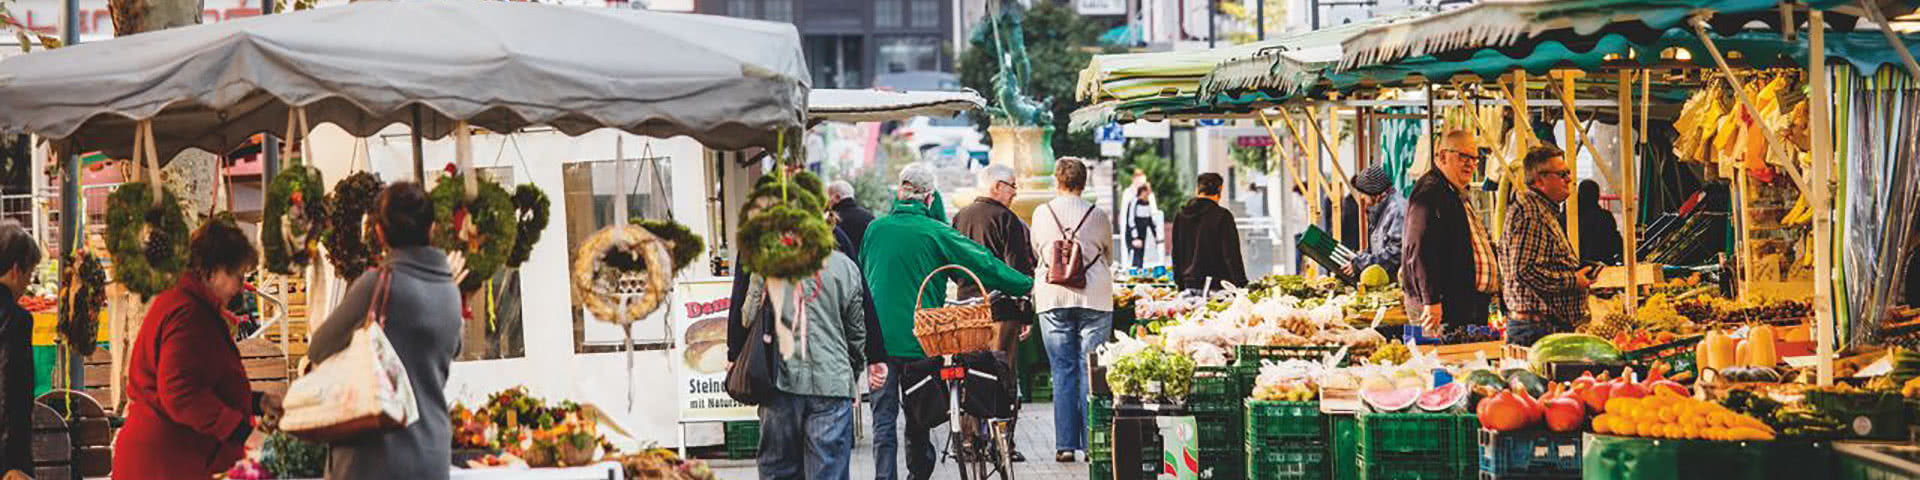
(989, 222)
(1546, 287)
(1450, 272)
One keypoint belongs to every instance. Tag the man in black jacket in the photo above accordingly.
(19, 256)
(1450, 269)
(853, 217)
(1206, 243)
(990, 223)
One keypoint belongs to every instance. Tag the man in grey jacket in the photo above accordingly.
(423, 322)
(806, 430)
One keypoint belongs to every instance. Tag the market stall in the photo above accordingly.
(445, 70)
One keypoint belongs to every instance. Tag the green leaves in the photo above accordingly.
(1059, 44)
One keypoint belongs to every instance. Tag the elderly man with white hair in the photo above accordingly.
(990, 222)
(901, 250)
(853, 218)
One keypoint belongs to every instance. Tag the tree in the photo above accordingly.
(20, 32)
(1059, 44)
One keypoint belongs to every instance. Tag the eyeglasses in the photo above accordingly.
(1008, 184)
(1462, 155)
(1560, 173)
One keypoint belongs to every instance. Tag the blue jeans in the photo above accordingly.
(886, 431)
(1069, 335)
(806, 437)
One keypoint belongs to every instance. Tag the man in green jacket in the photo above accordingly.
(899, 251)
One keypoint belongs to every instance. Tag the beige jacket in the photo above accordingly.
(1096, 243)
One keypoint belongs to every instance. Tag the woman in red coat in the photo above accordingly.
(191, 407)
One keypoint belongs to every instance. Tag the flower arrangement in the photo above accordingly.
(483, 228)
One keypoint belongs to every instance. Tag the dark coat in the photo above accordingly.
(853, 220)
(423, 322)
(993, 225)
(1206, 245)
(16, 379)
(1438, 249)
(190, 402)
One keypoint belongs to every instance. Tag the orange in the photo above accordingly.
(1603, 424)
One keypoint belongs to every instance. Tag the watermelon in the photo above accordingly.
(1535, 384)
(1486, 378)
(1447, 397)
(1393, 400)
(1572, 348)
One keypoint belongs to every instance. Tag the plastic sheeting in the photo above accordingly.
(1874, 119)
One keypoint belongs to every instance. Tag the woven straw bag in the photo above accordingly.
(956, 329)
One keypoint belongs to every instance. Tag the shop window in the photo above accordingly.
(590, 191)
(889, 13)
(903, 54)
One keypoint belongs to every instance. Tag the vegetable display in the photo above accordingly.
(1140, 370)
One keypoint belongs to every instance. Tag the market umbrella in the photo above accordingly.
(836, 105)
(728, 83)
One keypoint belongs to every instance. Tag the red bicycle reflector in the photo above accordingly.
(953, 373)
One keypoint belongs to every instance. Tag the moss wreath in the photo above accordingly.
(783, 241)
(295, 216)
(351, 245)
(683, 245)
(482, 229)
(148, 240)
(530, 208)
(83, 291)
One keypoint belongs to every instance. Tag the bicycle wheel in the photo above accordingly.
(1003, 448)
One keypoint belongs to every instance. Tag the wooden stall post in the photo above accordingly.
(1820, 121)
(1628, 236)
(1572, 154)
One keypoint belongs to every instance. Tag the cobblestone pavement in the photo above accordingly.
(1035, 439)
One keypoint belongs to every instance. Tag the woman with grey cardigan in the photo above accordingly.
(423, 322)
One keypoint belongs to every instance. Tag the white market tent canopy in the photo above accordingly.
(727, 83)
(836, 105)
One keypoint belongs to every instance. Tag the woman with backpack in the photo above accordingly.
(1073, 291)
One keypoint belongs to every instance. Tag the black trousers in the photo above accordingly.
(1461, 310)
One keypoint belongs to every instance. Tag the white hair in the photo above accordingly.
(916, 182)
(995, 174)
(839, 189)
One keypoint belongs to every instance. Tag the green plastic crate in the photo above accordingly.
(1416, 436)
(1343, 446)
(1099, 471)
(1214, 382)
(1223, 464)
(1285, 420)
(1220, 433)
(1371, 469)
(743, 439)
(1252, 355)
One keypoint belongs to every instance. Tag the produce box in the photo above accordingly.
(1529, 453)
(1568, 371)
(1417, 469)
(743, 439)
(1042, 389)
(1677, 355)
(1287, 461)
(1291, 422)
(1252, 355)
(1415, 436)
(1214, 382)
(1870, 415)
(1343, 446)
(1606, 457)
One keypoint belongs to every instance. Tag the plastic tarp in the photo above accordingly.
(1292, 61)
(1874, 117)
(836, 105)
(1498, 23)
(728, 83)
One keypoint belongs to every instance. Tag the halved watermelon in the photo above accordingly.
(1394, 400)
(1449, 397)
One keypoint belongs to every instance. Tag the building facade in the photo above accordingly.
(850, 42)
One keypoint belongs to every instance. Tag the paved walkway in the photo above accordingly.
(1035, 439)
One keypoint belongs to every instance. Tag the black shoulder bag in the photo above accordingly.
(751, 378)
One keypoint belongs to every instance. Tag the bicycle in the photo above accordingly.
(982, 447)
(979, 429)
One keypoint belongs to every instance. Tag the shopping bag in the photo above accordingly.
(363, 388)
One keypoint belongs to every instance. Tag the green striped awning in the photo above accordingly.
(1132, 76)
(1501, 23)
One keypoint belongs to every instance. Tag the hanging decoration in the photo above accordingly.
(683, 244)
(481, 227)
(784, 241)
(530, 208)
(148, 239)
(83, 291)
(294, 218)
(351, 245)
(1716, 130)
(619, 261)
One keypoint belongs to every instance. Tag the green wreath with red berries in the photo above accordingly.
(484, 228)
(295, 217)
(786, 234)
(147, 239)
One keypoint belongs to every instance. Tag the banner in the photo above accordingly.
(700, 353)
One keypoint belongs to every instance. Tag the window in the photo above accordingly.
(590, 206)
(779, 10)
(904, 54)
(888, 13)
(926, 14)
(740, 8)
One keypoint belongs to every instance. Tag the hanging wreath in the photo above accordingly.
(622, 259)
(350, 243)
(294, 219)
(786, 242)
(83, 291)
(530, 208)
(148, 240)
(683, 244)
(482, 229)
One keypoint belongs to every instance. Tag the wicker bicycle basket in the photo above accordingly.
(956, 329)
